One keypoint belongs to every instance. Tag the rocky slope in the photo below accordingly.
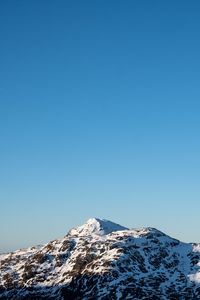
(103, 260)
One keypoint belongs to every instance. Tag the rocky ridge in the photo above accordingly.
(103, 260)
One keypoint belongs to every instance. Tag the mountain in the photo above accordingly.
(103, 260)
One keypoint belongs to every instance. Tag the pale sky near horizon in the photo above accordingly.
(99, 117)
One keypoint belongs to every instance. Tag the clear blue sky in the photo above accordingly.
(99, 116)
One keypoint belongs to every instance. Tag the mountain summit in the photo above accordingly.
(103, 260)
(98, 227)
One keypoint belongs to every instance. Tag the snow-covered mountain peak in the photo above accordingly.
(98, 227)
(103, 260)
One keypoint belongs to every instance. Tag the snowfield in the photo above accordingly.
(103, 260)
